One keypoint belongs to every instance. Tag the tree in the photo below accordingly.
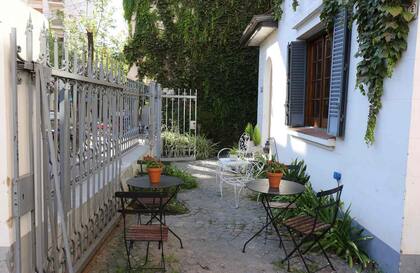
(195, 44)
(93, 20)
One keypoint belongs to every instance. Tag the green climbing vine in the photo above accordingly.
(383, 27)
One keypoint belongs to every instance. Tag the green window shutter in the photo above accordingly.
(296, 84)
(339, 74)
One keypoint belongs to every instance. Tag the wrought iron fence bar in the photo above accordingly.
(178, 96)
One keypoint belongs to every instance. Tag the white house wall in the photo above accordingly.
(373, 177)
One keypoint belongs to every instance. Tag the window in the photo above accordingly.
(318, 82)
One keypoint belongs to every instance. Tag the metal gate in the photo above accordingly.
(178, 124)
(81, 115)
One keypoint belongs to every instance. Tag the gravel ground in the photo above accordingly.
(213, 233)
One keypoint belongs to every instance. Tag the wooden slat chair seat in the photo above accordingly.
(147, 233)
(305, 224)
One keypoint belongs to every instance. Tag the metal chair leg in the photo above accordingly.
(163, 258)
(325, 255)
(297, 248)
(147, 254)
(127, 248)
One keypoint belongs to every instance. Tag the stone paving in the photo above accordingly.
(213, 233)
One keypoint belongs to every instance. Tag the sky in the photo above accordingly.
(119, 17)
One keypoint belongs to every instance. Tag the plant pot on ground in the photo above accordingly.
(274, 171)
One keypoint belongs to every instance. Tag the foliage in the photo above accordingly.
(344, 239)
(154, 163)
(256, 136)
(176, 143)
(249, 129)
(254, 133)
(205, 147)
(190, 182)
(100, 23)
(195, 44)
(297, 172)
(272, 166)
(383, 28)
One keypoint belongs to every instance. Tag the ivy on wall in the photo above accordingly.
(383, 27)
(195, 44)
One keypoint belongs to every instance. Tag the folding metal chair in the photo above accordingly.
(312, 228)
(149, 232)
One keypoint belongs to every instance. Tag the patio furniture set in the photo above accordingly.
(243, 170)
(148, 201)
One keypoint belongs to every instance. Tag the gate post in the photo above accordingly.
(158, 111)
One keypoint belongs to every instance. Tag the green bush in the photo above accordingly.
(190, 182)
(344, 239)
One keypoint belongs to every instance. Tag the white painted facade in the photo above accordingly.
(381, 182)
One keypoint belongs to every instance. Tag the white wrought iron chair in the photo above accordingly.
(238, 177)
(244, 149)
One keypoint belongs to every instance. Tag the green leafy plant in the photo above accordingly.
(254, 133)
(256, 136)
(273, 166)
(249, 129)
(297, 172)
(153, 163)
(344, 239)
(205, 148)
(176, 144)
(189, 181)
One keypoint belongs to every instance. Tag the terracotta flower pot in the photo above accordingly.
(274, 179)
(154, 174)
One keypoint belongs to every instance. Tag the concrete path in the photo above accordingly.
(213, 234)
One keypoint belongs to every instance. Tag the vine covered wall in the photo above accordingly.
(195, 44)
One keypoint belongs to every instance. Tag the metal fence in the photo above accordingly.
(82, 116)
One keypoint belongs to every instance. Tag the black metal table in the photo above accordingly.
(262, 187)
(165, 183)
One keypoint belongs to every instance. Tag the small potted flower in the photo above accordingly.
(154, 170)
(275, 171)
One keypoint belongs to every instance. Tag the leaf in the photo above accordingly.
(394, 10)
(408, 16)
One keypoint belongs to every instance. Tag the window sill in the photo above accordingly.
(314, 136)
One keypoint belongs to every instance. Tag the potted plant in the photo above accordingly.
(154, 170)
(275, 171)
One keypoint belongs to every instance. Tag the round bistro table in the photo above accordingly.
(165, 183)
(262, 187)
